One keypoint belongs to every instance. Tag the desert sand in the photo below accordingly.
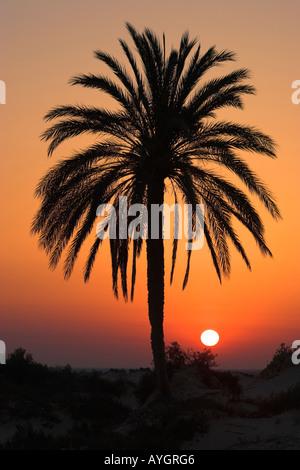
(278, 432)
(260, 414)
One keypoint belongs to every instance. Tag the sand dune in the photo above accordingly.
(236, 423)
(278, 432)
(262, 412)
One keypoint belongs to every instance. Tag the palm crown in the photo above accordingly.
(165, 129)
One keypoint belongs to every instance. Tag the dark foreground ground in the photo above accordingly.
(60, 408)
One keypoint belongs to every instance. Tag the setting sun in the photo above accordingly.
(209, 337)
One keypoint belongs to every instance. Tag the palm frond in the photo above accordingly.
(165, 127)
(91, 259)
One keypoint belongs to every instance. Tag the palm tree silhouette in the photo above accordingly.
(164, 131)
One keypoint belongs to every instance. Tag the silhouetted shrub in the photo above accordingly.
(280, 361)
(280, 403)
(19, 358)
(21, 368)
(223, 380)
(203, 360)
(177, 358)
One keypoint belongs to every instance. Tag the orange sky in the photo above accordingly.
(43, 45)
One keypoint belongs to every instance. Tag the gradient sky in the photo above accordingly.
(43, 44)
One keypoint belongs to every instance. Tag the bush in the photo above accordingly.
(21, 368)
(280, 403)
(177, 357)
(280, 361)
(223, 380)
(203, 360)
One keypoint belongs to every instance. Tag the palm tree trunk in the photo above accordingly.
(155, 282)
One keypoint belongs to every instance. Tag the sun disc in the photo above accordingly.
(209, 337)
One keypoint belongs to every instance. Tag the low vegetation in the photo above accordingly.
(62, 408)
(281, 360)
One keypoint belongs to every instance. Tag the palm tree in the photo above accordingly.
(164, 131)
